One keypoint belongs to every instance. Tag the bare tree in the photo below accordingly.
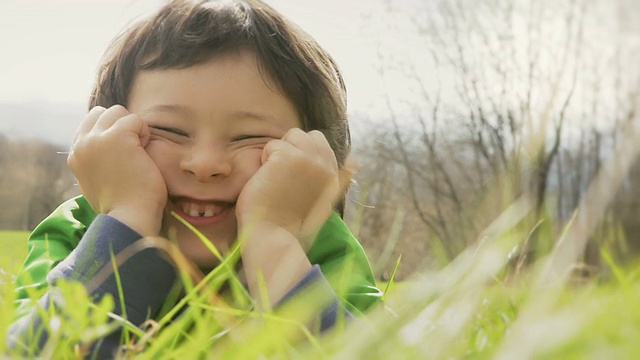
(528, 98)
(34, 181)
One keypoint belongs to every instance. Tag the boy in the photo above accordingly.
(227, 115)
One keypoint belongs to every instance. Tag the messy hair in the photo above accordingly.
(184, 33)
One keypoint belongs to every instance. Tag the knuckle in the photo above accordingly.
(117, 107)
(97, 109)
(115, 110)
(294, 133)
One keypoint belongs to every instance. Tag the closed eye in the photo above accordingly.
(170, 130)
(248, 137)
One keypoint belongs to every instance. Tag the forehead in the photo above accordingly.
(227, 84)
(238, 64)
(237, 55)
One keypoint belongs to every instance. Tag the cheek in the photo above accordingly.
(247, 162)
(165, 155)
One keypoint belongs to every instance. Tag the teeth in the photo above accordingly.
(194, 210)
(209, 211)
(200, 210)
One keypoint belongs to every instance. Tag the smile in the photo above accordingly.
(193, 210)
(201, 210)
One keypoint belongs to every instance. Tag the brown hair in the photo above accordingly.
(184, 33)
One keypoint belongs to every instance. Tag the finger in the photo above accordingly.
(323, 148)
(300, 139)
(89, 121)
(273, 147)
(109, 117)
(129, 122)
(133, 123)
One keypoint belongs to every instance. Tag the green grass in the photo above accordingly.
(477, 307)
(13, 250)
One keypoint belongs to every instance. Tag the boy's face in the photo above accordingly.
(209, 124)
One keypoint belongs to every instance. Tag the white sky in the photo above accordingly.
(50, 48)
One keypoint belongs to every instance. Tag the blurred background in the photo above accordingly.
(457, 108)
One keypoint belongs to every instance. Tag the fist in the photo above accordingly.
(115, 173)
(295, 187)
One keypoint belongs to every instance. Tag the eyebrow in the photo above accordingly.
(170, 108)
(253, 115)
(186, 111)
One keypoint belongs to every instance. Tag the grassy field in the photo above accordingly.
(13, 249)
(477, 307)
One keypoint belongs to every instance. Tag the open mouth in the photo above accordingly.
(201, 209)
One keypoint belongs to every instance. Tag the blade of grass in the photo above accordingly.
(391, 279)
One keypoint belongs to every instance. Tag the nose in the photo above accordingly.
(206, 162)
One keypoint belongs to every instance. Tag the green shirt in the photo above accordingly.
(337, 252)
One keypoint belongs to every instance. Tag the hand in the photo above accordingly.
(115, 173)
(295, 187)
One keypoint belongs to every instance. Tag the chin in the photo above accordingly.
(205, 263)
(200, 255)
